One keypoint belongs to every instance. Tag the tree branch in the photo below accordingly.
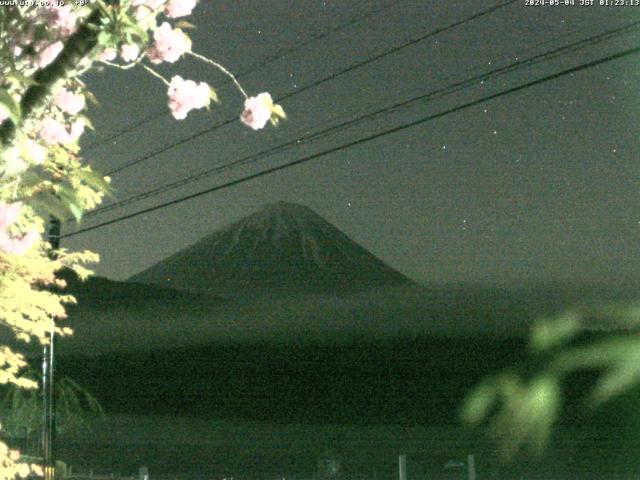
(76, 48)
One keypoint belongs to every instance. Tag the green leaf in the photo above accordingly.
(105, 39)
(479, 403)
(549, 334)
(70, 200)
(46, 204)
(10, 105)
(95, 181)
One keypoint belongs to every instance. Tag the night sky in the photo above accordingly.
(540, 184)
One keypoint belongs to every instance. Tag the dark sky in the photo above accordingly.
(539, 184)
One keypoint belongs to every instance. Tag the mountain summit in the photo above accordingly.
(284, 248)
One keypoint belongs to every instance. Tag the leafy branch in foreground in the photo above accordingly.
(522, 404)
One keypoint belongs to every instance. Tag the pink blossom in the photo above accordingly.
(69, 102)
(9, 213)
(77, 129)
(186, 95)
(52, 131)
(129, 52)
(61, 17)
(49, 54)
(10, 243)
(17, 245)
(179, 8)
(66, 19)
(257, 111)
(107, 55)
(170, 44)
(151, 4)
(36, 152)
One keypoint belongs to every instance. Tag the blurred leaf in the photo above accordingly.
(278, 111)
(70, 200)
(185, 25)
(521, 413)
(527, 417)
(213, 95)
(105, 38)
(551, 333)
(94, 180)
(618, 357)
(10, 105)
(46, 204)
(479, 403)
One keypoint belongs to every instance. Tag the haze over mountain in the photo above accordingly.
(284, 248)
(314, 330)
(284, 275)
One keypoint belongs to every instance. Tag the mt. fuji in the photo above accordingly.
(284, 248)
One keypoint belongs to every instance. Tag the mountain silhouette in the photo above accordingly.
(284, 248)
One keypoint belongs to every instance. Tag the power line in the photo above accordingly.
(368, 138)
(590, 41)
(281, 53)
(328, 78)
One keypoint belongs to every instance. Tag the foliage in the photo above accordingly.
(523, 403)
(75, 406)
(44, 51)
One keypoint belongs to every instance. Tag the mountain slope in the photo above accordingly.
(283, 248)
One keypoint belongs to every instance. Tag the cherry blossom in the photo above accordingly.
(150, 4)
(108, 54)
(69, 102)
(76, 130)
(53, 132)
(36, 152)
(9, 243)
(129, 52)
(17, 245)
(186, 95)
(49, 54)
(179, 8)
(257, 111)
(62, 18)
(9, 213)
(169, 44)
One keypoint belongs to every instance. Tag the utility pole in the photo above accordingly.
(402, 467)
(48, 397)
(471, 466)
